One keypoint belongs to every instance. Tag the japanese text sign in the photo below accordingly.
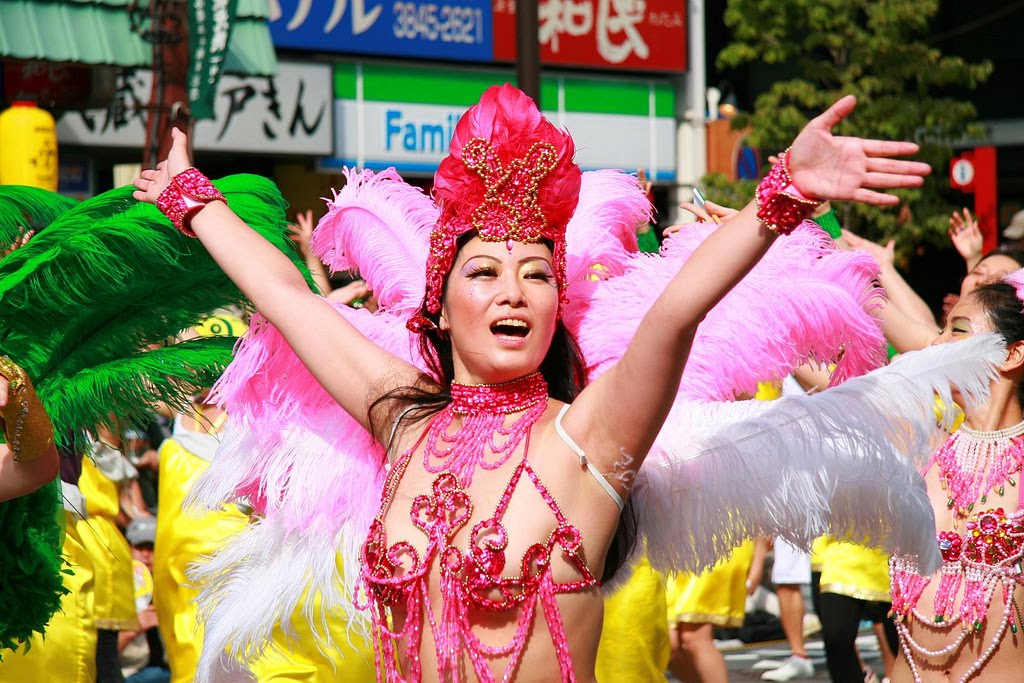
(290, 113)
(610, 34)
(445, 29)
(209, 28)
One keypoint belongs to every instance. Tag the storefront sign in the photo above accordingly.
(411, 137)
(610, 34)
(616, 123)
(75, 177)
(56, 85)
(290, 113)
(209, 29)
(446, 29)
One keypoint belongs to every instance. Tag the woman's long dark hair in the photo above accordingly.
(999, 299)
(564, 370)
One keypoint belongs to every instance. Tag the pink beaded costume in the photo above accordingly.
(981, 553)
(470, 579)
(720, 471)
(982, 548)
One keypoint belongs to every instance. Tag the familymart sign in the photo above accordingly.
(404, 117)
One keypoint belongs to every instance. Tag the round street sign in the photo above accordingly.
(962, 172)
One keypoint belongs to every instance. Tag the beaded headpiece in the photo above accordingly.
(509, 177)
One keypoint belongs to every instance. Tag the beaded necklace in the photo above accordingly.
(987, 555)
(483, 409)
(970, 459)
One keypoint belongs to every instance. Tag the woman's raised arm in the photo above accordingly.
(822, 166)
(353, 369)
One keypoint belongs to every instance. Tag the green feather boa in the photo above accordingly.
(86, 308)
(32, 534)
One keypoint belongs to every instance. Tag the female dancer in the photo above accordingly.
(512, 461)
(963, 621)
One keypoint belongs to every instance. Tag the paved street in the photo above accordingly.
(741, 658)
(740, 661)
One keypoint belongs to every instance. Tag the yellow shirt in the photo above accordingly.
(181, 539)
(634, 644)
(68, 652)
(717, 597)
(110, 552)
(855, 571)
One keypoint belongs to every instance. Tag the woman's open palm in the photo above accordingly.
(826, 166)
(152, 182)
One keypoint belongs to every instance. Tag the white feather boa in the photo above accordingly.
(843, 461)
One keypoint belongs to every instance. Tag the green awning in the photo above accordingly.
(100, 32)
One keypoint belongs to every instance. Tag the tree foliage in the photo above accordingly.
(877, 50)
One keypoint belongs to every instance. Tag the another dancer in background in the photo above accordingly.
(963, 622)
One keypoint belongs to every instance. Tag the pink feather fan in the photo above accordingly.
(376, 224)
(380, 226)
(310, 471)
(600, 237)
(805, 300)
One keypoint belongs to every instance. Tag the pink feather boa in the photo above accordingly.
(380, 226)
(805, 300)
(270, 395)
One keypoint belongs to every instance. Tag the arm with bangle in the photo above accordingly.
(818, 166)
(351, 367)
(28, 458)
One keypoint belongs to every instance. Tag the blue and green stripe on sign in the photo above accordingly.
(403, 116)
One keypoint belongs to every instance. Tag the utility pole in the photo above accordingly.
(691, 128)
(528, 48)
(168, 100)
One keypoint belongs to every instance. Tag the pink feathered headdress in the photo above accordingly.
(509, 176)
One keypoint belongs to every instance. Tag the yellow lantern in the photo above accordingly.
(28, 147)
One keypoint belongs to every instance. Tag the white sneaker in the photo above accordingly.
(794, 667)
(767, 664)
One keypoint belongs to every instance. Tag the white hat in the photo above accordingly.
(1015, 230)
(141, 530)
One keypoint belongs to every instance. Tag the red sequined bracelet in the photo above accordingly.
(780, 204)
(186, 194)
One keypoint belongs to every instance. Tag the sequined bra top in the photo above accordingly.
(395, 576)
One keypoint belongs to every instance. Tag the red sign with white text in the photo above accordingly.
(608, 34)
